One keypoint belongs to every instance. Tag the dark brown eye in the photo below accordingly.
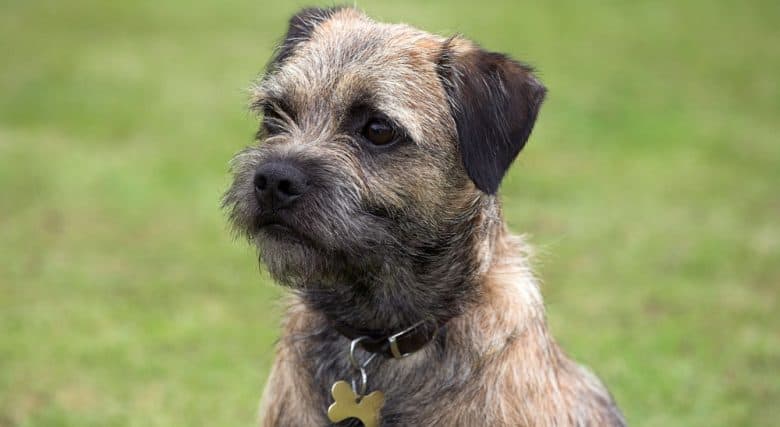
(379, 132)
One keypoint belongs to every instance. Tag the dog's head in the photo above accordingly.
(379, 143)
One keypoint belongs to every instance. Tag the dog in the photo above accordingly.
(371, 195)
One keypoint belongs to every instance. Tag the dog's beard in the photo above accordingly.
(317, 254)
(290, 262)
(372, 272)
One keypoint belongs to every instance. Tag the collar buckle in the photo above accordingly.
(393, 340)
(398, 345)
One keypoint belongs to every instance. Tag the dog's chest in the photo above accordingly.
(418, 390)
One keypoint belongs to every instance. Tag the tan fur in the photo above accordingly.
(524, 378)
(410, 229)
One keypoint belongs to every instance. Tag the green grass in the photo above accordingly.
(651, 186)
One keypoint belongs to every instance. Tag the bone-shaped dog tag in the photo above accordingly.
(348, 404)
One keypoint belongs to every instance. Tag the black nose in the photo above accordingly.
(278, 184)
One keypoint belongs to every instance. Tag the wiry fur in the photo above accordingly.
(388, 236)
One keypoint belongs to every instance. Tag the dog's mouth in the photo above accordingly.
(276, 227)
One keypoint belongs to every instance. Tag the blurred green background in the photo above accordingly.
(651, 186)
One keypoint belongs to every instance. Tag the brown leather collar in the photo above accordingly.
(396, 345)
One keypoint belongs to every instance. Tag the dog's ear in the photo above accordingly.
(494, 101)
(301, 25)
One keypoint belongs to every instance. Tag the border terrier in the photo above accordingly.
(371, 194)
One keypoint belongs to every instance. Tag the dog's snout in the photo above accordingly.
(278, 184)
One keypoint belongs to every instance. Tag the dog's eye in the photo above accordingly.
(379, 132)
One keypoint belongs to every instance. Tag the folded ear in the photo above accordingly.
(301, 26)
(494, 101)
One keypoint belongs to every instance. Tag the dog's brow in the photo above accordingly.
(280, 105)
(362, 103)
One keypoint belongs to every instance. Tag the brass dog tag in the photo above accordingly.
(348, 404)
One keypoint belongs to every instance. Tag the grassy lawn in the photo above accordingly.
(651, 186)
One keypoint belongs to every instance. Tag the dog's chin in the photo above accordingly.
(306, 252)
(280, 234)
(291, 258)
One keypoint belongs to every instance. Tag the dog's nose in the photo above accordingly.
(278, 184)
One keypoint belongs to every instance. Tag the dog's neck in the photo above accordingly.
(435, 283)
